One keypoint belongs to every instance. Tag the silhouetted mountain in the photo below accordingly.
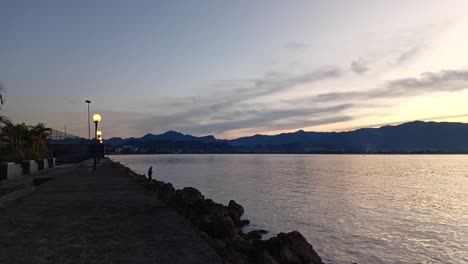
(115, 141)
(176, 136)
(417, 136)
(171, 141)
(409, 137)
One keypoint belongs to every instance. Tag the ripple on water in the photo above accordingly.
(364, 209)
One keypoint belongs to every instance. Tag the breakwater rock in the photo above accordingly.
(222, 226)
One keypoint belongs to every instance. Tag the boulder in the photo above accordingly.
(243, 246)
(256, 234)
(207, 210)
(289, 248)
(221, 227)
(265, 258)
(189, 196)
(235, 211)
(244, 222)
(167, 192)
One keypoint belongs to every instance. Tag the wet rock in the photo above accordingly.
(256, 234)
(221, 227)
(235, 211)
(292, 248)
(206, 210)
(244, 222)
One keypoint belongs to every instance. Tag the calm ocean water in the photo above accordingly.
(352, 208)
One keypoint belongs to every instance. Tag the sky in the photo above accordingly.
(233, 68)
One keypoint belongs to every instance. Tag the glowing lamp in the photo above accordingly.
(97, 118)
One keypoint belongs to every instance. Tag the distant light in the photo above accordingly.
(99, 133)
(97, 118)
(100, 141)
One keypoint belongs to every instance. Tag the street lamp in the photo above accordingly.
(96, 119)
(89, 123)
(99, 138)
(102, 147)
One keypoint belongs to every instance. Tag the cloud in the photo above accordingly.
(275, 119)
(443, 81)
(70, 101)
(237, 109)
(296, 46)
(220, 111)
(358, 67)
(299, 124)
(410, 54)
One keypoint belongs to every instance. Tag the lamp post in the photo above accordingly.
(96, 119)
(89, 125)
(103, 147)
(99, 141)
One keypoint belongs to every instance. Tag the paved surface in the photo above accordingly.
(84, 216)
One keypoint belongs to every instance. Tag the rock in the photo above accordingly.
(158, 185)
(205, 211)
(190, 196)
(235, 211)
(265, 258)
(257, 234)
(221, 227)
(292, 248)
(243, 246)
(235, 257)
(167, 192)
(244, 222)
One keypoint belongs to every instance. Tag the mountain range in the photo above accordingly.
(412, 137)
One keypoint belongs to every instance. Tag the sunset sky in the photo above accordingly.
(233, 68)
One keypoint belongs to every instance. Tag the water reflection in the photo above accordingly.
(352, 208)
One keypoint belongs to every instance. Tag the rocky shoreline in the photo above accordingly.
(222, 226)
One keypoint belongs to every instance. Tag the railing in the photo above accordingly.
(59, 137)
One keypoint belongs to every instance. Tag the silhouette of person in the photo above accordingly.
(150, 173)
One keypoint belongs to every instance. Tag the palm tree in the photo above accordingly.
(39, 136)
(8, 131)
(12, 140)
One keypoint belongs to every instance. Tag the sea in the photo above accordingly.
(351, 208)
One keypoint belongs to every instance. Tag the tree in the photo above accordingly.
(39, 135)
(20, 141)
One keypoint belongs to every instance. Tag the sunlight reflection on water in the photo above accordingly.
(352, 208)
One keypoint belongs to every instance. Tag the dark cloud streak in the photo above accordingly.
(444, 81)
(358, 67)
(192, 113)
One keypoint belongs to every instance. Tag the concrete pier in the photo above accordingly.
(85, 216)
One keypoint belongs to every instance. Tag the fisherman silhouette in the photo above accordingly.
(150, 173)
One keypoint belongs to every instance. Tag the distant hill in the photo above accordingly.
(176, 136)
(171, 142)
(413, 137)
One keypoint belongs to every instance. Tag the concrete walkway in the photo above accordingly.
(84, 216)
